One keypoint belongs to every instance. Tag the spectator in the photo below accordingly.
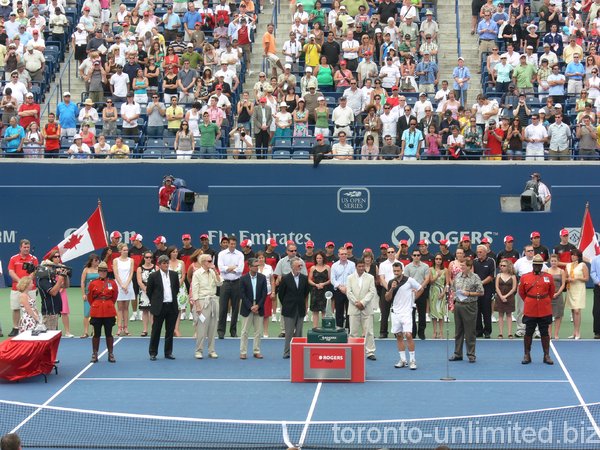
(29, 111)
(588, 138)
(51, 137)
(10, 441)
(119, 84)
(119, 150)
(412, 141)
(556, 84)
(559, 137)
(88, 114)
(324, 74)
(130, 113)
(186, 79)
(269, 49)
(101, 148)
(78, 150)
(174, 114)
(341, 149)
(343, 118)
(370, 150)
(210, 132)
(184, 141)
(535, 136)
(109, 118)
(140, 85)
(243, 148)
(13, 137)
(575, 72)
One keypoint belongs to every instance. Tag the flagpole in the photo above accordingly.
(102, 217)
(585, 213)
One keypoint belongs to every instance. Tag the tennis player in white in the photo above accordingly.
(403, 290)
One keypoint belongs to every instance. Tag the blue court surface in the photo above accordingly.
(231, 403)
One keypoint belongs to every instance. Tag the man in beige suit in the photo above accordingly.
(361, 294)
(206, 305)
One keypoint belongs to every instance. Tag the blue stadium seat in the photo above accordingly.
(281, 154)
(300, 154)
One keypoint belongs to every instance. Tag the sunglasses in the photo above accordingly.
(416, 255)
(147, 257)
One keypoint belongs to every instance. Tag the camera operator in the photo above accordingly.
(49, 286)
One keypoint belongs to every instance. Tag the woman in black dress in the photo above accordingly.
(320, 280)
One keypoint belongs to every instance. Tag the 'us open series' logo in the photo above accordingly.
(353, 200)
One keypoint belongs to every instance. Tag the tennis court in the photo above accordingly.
(232, 403)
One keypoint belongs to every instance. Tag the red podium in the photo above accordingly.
(313, 362)
(26, 356)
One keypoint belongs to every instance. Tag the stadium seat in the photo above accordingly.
(281, 154)
(300, 154)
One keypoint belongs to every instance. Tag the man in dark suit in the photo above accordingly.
(253, 287)
(404, 121)
(162, 289)
(293, 291)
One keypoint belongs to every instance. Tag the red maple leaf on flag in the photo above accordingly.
(72, 242)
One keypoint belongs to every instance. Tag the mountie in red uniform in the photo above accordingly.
(537, 289)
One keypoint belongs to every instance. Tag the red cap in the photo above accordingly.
(125, 24)
(367, 250)
(290, 242)
(115, 235)
(443, 241)
(146, 13)
(204, 236)
(137, 237)
(534, 235)
(272, 242)
(310, 244)
(485, 241)
(465, 238)
(319, 136)
(342, 62)
(224, 238)
(394, 88)
(423, 242)
(348, 245)
(246, 243)
(186, 236)
(160, 240)
(368, 53)
(564, 232)
(508, 238)
(219, 86)
(384, 245)
(263, 100)
(329, 244)
(404, 242)
(86, 8)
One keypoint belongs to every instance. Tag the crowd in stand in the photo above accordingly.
(540, 79)
(354, 80)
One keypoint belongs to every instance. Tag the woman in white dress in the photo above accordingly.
(124, 271)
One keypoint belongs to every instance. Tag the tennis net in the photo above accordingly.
(571, 427)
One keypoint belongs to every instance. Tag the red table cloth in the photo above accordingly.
(26, 356)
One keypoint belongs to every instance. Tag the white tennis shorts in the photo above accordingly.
(401, 323)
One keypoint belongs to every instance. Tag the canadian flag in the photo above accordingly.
(588, 243)
(89, 237)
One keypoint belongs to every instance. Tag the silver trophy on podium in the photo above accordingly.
(328, 322)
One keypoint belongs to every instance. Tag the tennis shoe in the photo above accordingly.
(400, 364)
(273, 318)
(228, 317)
(190, 316)
(198, 355)
(133, 317)
(412, 365)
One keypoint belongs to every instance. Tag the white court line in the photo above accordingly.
(287, 380)
(310, 414)
(60, 391)
(576, 390)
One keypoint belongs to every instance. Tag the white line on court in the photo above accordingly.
(287, 380)
(576, 390)
(60, 391)
(310, 414)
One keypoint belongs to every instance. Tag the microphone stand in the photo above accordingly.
(447, 377)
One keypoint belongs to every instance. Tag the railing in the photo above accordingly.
(62, 84)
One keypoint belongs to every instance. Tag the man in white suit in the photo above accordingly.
(361, 294)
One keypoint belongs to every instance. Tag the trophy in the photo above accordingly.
(328, 322)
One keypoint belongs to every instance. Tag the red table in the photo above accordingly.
(26, 356)
(313, 362)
